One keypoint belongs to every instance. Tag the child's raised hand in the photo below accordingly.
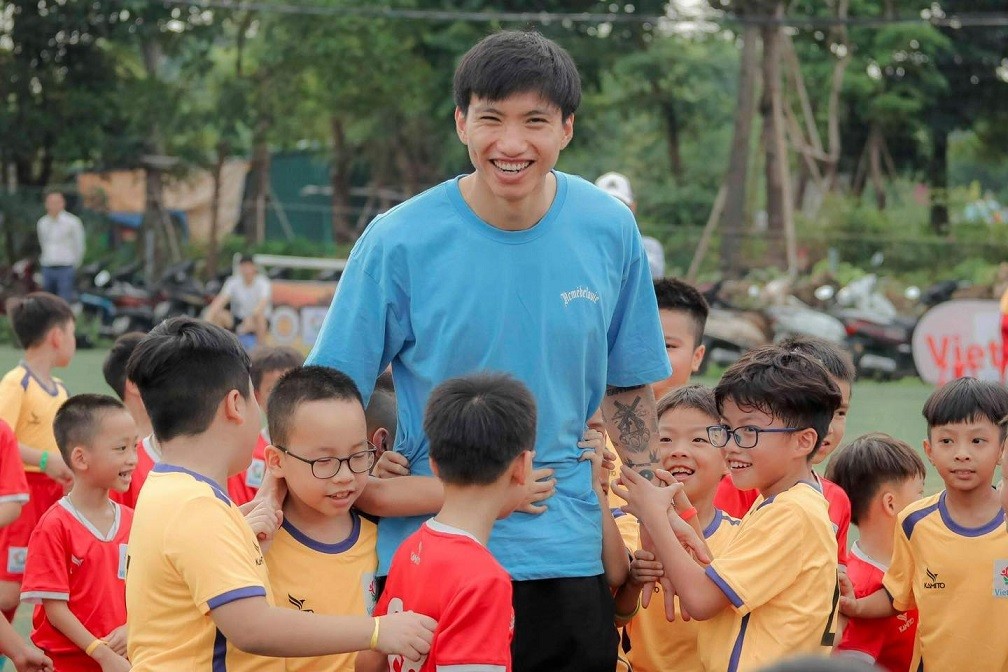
(116, 640)
(540, 487)
(602, 461)
(406, 634)
(391, 464)
(264, 520)
(648, 502)
(645, 568)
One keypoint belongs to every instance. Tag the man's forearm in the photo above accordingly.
(632, 424)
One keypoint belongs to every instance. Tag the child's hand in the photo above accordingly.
(116, 640)
(540, 487)
(406, 634)
(30, 659)
(110, 661)
(645, 568)
(57, 470)
(265, 520)
(391, 464)
(648, 502)
(848, 600)
(603, 461)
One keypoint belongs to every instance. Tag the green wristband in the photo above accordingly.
(44, 460)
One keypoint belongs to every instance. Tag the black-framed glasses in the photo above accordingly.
(326, 467)
(745, 437)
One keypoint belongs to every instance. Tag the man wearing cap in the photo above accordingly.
(618, 186)
(250, 296)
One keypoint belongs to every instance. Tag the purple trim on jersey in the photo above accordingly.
(728, 591)
(715, 523)
(219, 663)
(986, 528)
(162, 468)
(25, 379)
(736, 652)
(910, 522)
(31, 374)
(331, 549)
(617, 513)
(235, 595)
(768, 500)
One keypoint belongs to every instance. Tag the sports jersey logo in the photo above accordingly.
(906, 622)
(33, 418)
(16, 557)
(1001, 578)
(933, 583)
(370, 589)
(579, 293)
(415, 556)
(299, 604)
(398, 663)
(76, 561)
(255, 473)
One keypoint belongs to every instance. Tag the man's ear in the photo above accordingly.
(568, 131)
(698, 355)
(274, 460)
(460, 126)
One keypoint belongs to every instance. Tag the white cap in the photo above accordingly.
(616, 184)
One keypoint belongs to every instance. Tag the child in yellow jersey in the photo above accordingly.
(950, 551)
(657, 644)
(29, 398)
(197, 590)
(321, 450)
(771, 592)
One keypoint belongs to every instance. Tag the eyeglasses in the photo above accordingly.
(327, 467)
(745, 437)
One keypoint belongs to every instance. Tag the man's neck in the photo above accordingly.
(876, 539)
(473, 510)
(503, 214)
(40, 361)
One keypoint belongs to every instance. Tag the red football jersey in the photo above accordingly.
(736, 503)
(446, 574)
(242, 488)
(13, 484)
(839, 515)
(68, 559)
(146, 459)
(888, 641)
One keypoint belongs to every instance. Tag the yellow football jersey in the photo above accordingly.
(29, 406)
(190, 551)
(779, 573)
(656, 645)
(957, 578)
(296, 562)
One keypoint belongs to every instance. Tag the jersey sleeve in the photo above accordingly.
(214, 556)
(13, 483)
(760, 562)
(475, 629)
(898, 580)
(843, 527)
(47, 570)
(11, 396)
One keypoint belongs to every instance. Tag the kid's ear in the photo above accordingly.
(521, 468)
(273, 460)
(380, 440)
(234, 406)
(807, 440)
(927, 451)
(698, 355)
(78, 458)
(889, 503)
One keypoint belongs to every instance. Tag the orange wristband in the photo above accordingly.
(93, 646)
(691, 512)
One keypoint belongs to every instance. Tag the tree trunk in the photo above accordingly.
(255, 230)
(833, 108)
(672, 138)
(155, 226)
(736, 179)
(938, 180)
(213, 249)
(875, 140)
(340, 171)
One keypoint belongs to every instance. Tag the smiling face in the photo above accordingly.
(687, 453)
(838, 425)
(965, 453)
(513, 145)
(684, 353)
(112, 455)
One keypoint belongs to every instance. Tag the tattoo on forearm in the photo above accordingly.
(633, 430)
(612, 389)
(632, 419)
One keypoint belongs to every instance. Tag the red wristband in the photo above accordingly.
(691, 512)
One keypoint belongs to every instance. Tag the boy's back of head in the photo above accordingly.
(477, 425)
(869, 462)
(967, 400)
(114, 366)
(674, 294)
(78, 420)
(32, 316)
(512, 62)
(788, 386)
(271, 359)
(835, 360)
(184, 368)
(301, 385)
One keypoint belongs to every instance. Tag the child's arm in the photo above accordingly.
(25, 658)
(59, 615)
(371, 661)
(615, 562)
(876, 605)
(645, 570)
(9, 512)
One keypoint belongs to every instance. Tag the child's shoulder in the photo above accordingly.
(910, 517)
(19, 376)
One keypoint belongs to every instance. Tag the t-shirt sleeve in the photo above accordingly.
(227, 289)
(215, 557)
(475, 629)
(636, 345)
(11, 395)
(843, 527)
(366, 325)
(47, 574)
(760, 562)
(265, 289)
(13, 483)
(898, 580)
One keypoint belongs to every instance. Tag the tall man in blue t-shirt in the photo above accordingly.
(518, 268)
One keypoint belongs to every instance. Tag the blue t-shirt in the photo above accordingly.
(567, 307)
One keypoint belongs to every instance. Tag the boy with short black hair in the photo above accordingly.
(683, 312)
(191, 546)
(882, 476)
(77, 554)
(321, 451)
(772, 591)
(29, 398)
(950, 550)
(482, 430)
(269, 363)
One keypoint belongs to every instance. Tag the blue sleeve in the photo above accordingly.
(636, 345)
(366, 325)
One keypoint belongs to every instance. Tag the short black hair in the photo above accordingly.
(788, 386)
(77, 420)
(268, 359)
(674, 294)
(967, 400)
(246, 258)
(301, 385)
(836, 360)
(33, 315)
(867, 463)
(513, 61)
(382, 409)
(184, 368)
(694, 396)
(477, 425)
(114, 366)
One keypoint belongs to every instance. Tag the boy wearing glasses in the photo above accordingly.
(323, 558)
(772, 591)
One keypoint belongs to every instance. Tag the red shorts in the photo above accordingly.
(43, 493)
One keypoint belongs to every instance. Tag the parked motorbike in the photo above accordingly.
(116, 301)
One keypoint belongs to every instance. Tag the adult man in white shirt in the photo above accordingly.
(250, 296)
(61, 238)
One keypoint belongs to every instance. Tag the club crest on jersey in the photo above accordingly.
(255, 473)
(299, 604)
(1001, 578)
(16, 557)
(932, 582)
